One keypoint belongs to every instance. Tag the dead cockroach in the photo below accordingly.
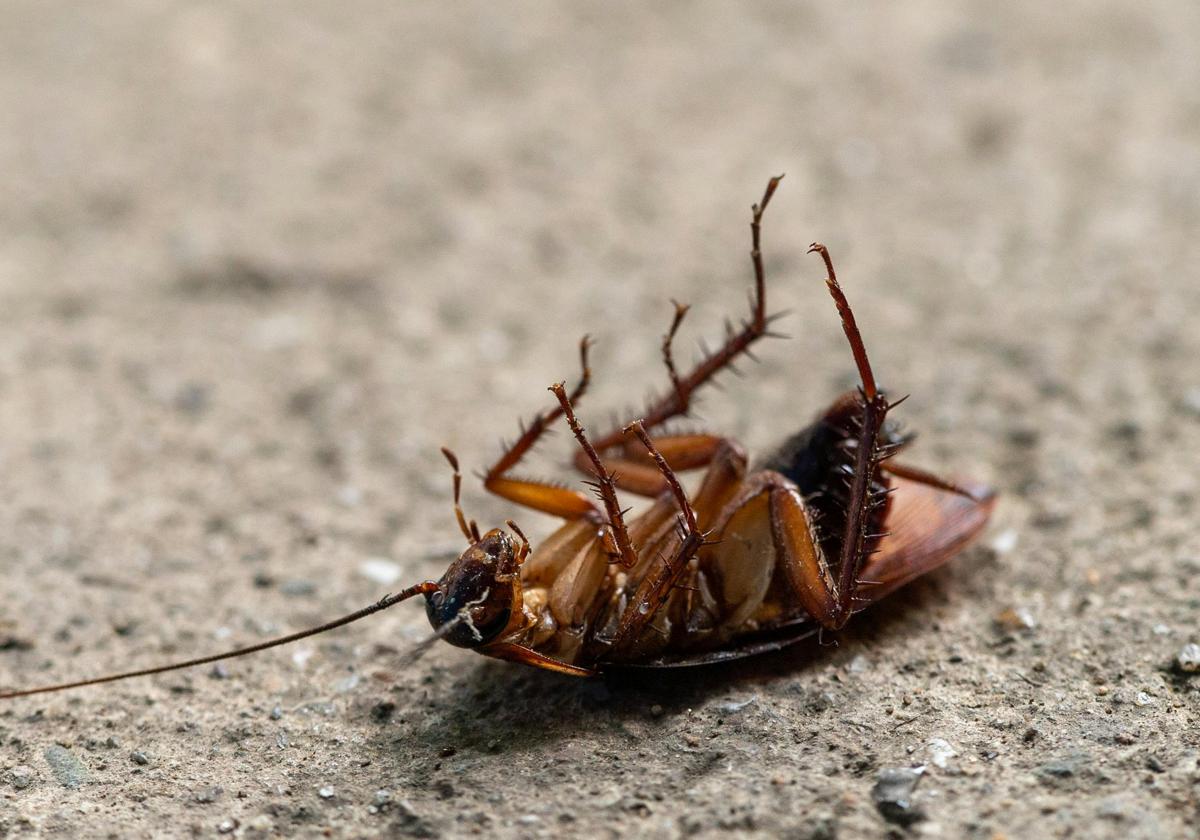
(754, 560)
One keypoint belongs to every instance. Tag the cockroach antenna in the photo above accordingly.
(382, 604)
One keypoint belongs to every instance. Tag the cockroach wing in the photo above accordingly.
(926, 526)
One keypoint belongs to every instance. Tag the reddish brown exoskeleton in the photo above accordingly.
(754, 560)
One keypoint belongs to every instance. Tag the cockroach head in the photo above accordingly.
(476, 596)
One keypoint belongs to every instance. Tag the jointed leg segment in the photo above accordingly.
(547, 498)
(656, 586)
(470, 531)
(678, 401)
(626, 554)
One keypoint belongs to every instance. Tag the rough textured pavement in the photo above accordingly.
(258, 261)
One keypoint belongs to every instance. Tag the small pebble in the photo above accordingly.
(297, 587)
(382, 711)
(1016, 618)
(1005, 541)
(859, 664)
(737, 707)
(940, 752)
(139, 757)
(1188, 659)
(325, 792)
(1143, 699)
(262, 824)
(227, 826)
(276, 713)
(1064, 767)
(1125, 738)
(207, 795)
(893, 795)
(380, 570)
(68, 769)
(219, 672)
(347, 684)
(20, 776)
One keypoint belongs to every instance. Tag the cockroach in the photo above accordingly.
(752, 561)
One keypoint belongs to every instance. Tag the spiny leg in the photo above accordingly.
(547, 498)
(681, 499)
(861, 499)
(849, 325)
(681, 311)
(678, 401)
(625, 553)
(633, 469)
(637, 472)
(655, 588)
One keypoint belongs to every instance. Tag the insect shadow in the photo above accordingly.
(493, 708)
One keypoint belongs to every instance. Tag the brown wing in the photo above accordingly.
(926, 527)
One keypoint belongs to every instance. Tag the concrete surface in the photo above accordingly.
(258, 261)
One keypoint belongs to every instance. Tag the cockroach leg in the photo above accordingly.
(849, 326)
(470, 530)
(523, 552)
(874, 407)
(626, 555)
(540, 495)
(637, 472)
(681, 310)
(925, 477)
(527, 656)
(685, 507)
(678, 401)
(656, 587)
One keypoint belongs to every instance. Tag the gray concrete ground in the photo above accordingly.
(258, 261)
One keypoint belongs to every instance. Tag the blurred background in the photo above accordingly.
(258, 261)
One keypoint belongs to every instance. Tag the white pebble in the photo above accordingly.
(1189, 658)
(380, 570)
(940, 752)
(1005, 541)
